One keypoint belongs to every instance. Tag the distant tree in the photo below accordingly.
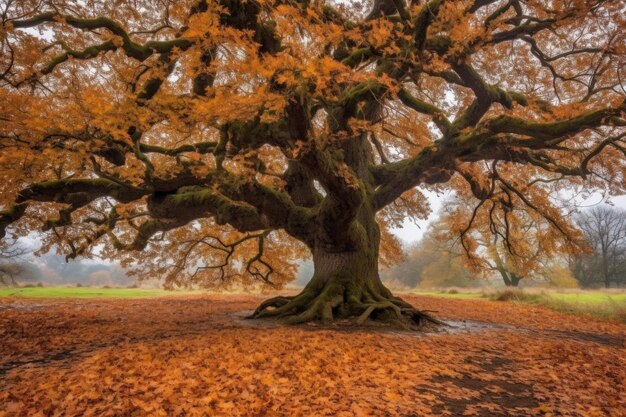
(529, 250)
(12, 266)
(431, 262)
(446, 269)
(496, 261)
(560, 276)
(604, 230)
(9, 273)
(408, 273)
(438, 257)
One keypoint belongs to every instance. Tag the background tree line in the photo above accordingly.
(437, 261)
(604, 230)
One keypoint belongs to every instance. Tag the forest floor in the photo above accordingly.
(194, 355)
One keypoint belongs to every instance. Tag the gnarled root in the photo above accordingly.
(345, 301)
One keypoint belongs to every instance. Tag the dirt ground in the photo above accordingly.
(196, 356)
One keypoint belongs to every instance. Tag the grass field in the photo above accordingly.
(591, 297)
(600, 304)
(577, 297)
(445, 294)
(86, 292)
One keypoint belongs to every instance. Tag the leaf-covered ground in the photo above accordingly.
(194, 356)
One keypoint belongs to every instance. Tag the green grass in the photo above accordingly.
(601, 305)
(462, 295)
(595, 297)
(86, 292)
(598, 304)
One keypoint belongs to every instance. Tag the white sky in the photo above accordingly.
(413, 231)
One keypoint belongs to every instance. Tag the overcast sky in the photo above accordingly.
(413, 231)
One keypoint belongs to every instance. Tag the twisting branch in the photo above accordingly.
(216, 243)
(140, 52)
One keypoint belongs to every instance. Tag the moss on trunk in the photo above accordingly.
(345, 285)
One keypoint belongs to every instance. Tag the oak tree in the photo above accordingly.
(527, 251)
(223, 139)
(435, 261)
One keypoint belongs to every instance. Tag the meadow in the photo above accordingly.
(87, 292)
(602, 304)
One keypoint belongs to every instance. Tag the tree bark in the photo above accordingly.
(515, 279)
(346, 284)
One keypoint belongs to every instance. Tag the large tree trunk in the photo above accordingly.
(515, 279)
(346, 284)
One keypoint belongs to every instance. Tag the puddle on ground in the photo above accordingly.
(21, 306)
(469, 326)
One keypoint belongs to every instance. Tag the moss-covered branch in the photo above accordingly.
(432, 165)
(83, 54)
(10, 215)
(423, 20)
(436, 163)
(439, 117)
(71, 190)
(200, 147)
(135, 50)
(552, 130)
(486, 94)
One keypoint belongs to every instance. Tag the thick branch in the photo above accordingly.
(135, 50)
(10, 215)
(71, 191)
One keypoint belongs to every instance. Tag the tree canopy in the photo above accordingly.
(225, 138)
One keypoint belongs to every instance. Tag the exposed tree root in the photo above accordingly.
(335, 301)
